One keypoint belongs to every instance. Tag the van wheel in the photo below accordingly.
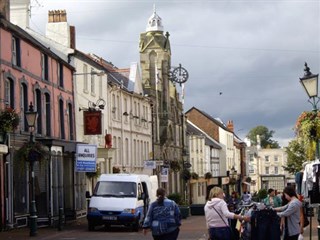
(90, 227)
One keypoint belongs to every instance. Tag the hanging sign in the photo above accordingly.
(86, 158)
(164, 174)
(92, 122)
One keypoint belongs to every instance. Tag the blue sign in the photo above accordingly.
(86, 158)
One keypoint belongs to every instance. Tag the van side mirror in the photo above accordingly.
(142, 196)
(88, 194)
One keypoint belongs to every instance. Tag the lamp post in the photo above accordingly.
(310, 84)
(31, 117)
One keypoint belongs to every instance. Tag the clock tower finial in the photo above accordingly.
(154, 22)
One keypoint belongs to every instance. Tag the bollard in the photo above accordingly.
(61, 219)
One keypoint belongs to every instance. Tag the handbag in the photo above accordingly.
(232, 233)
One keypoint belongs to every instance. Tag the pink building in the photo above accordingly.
(31, 72)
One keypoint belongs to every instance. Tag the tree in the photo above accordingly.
(265, 137)
(296, 156)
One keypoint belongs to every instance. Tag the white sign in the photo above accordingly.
(86, 158)
(150, 164)
(164, 174)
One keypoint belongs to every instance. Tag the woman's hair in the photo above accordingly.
(290, 191)
(214, 192)
(161, 193)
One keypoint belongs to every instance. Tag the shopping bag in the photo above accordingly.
(300, 237)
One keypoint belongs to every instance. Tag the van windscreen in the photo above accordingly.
(115, 189)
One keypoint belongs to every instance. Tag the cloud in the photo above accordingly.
(251, 51)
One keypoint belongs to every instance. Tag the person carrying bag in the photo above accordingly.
(217, 214)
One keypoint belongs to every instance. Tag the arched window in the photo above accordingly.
(47, 114)
(9, 92)
(61, 115)
(24, 105)
(71, 127)
(39, 111)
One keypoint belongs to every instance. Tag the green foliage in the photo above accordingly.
(35, 151)
(262, 194)
(95, 174)
(296, 155)
(308, 131)
(175, 166)
(208, 175)
(186, 175)
(265, 137)
(9, 120)
(175, 197)
(194, 175)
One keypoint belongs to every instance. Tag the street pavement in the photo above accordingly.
(193, 227)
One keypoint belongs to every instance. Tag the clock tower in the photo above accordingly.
(167, 109)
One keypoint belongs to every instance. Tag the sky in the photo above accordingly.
(244, 58)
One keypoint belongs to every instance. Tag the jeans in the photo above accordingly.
(220, 233)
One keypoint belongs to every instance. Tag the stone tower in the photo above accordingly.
(155, 61)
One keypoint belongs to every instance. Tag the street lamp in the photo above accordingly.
(31, 117)
(310, 83)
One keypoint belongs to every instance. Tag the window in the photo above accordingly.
(267, 170)
(15, 45)
(251, 157)
(276, 158)
(276, 170)
(48, 114)
(92, 84)
(85, 78)
(71, 130)
(266, 158)
(251, 169)
(60, 74)
(100, 86)
(44, 67)
(61, 114)
(9, 92)
(38, 105)
(24, 105)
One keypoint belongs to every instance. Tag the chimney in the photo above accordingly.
(5, 9)
(59, 30)
(230, 125)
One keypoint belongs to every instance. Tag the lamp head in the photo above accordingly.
(310, 82)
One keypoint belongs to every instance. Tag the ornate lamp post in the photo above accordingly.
(310, 83)
(31, 117)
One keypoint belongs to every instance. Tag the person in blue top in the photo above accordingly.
(163, 218)
(272, 200)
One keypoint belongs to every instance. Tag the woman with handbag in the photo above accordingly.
(217, 214)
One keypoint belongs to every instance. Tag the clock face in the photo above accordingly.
(180, 75)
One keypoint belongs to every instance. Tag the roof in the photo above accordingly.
(194, 130)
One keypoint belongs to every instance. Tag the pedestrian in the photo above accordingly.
(163, 218)
(233, 202)
(272, 199)
(291, 211)
(217, 214)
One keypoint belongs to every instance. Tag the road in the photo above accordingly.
(193, 227)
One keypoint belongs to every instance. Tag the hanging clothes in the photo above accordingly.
(265, 225)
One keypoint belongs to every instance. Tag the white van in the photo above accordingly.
(121, 199)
